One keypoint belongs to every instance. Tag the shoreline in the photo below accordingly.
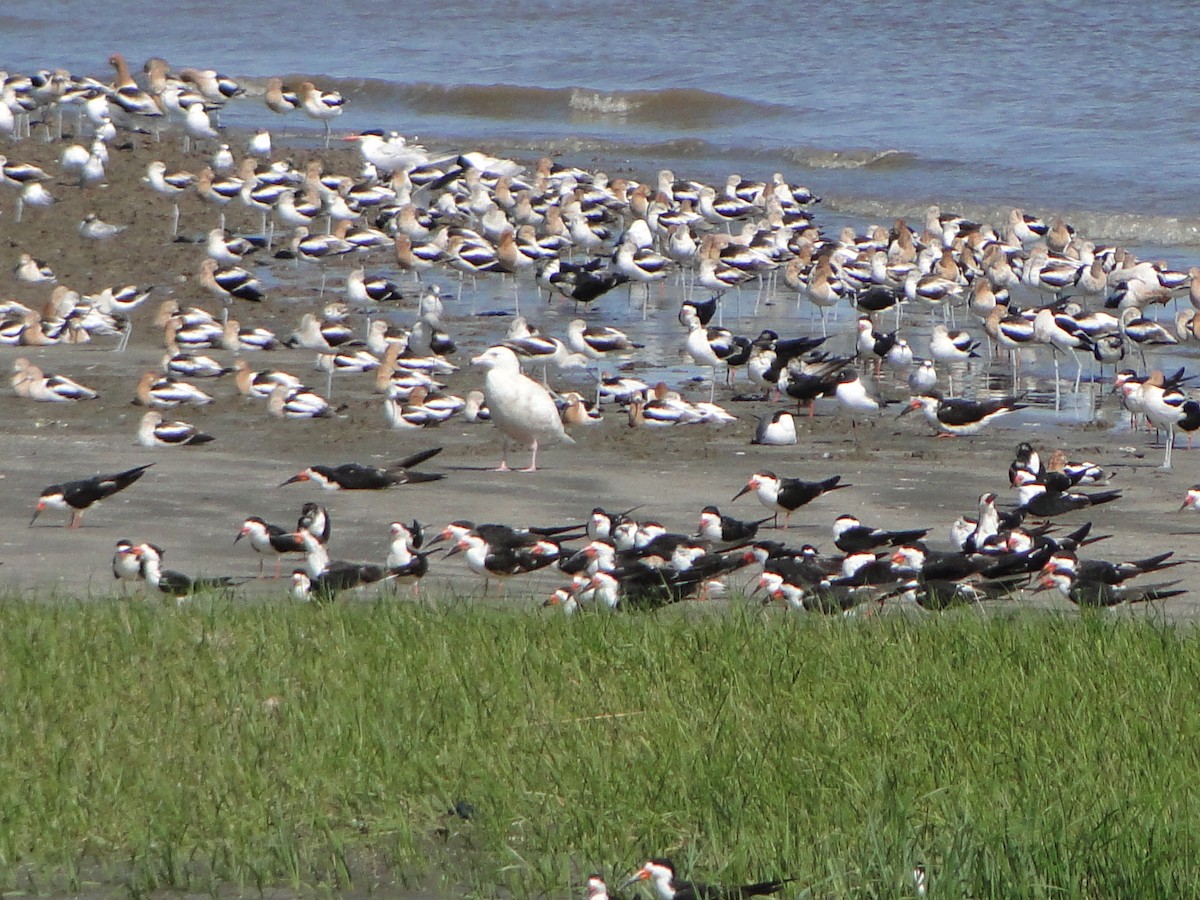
(194, 499)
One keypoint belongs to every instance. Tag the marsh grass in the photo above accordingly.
(218, 744)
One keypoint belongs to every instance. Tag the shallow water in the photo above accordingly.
(880, 106)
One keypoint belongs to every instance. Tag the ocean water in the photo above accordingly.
(883, 107)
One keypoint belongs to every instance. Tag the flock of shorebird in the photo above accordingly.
(579, 235)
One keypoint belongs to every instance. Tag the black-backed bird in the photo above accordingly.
(786, 495)
(661, 873)
(77, 496)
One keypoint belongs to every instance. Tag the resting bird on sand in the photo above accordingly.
(522, 409)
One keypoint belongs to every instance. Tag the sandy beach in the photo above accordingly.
(193, 500)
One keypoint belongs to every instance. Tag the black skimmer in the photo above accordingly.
(786, 495)
(777, 430)
(726, 529)
(176, 584)
(521, 408)
(1038, 499)
(643, 587)
(405, 560)
(315, 519)
(601, 523)
(505, 559)
(852, 536)
(583, 284)
(1026, 458)
(865, 569)
(855, 397)
(661, 873)
(936, 595)
(956, 415)
(266, 538)
(811, 376)
(358, 477)
(505, 535)
(126, 566)
(824, 596)
(596, 887)
(874, 343)
(1191, 499)
(339, 576)
(77, 496)
(700, 310)
(939, 565)
(877, 298)
(1105, 572)
(1100, 594)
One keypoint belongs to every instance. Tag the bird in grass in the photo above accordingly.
(1106, 572)
(1082, 592)
(176, 584)
(77, 496)
(661, 873)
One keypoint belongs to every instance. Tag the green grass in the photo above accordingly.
(221, 744)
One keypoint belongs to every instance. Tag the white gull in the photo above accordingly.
(522, 409)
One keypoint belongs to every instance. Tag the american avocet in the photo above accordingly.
(169, 185)
(280, 100)
(286, 402)
(164, 392)
(29, 381)
(391, 154)
(229, 282)
(322, 105)
(33, 271)
(154, 432)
